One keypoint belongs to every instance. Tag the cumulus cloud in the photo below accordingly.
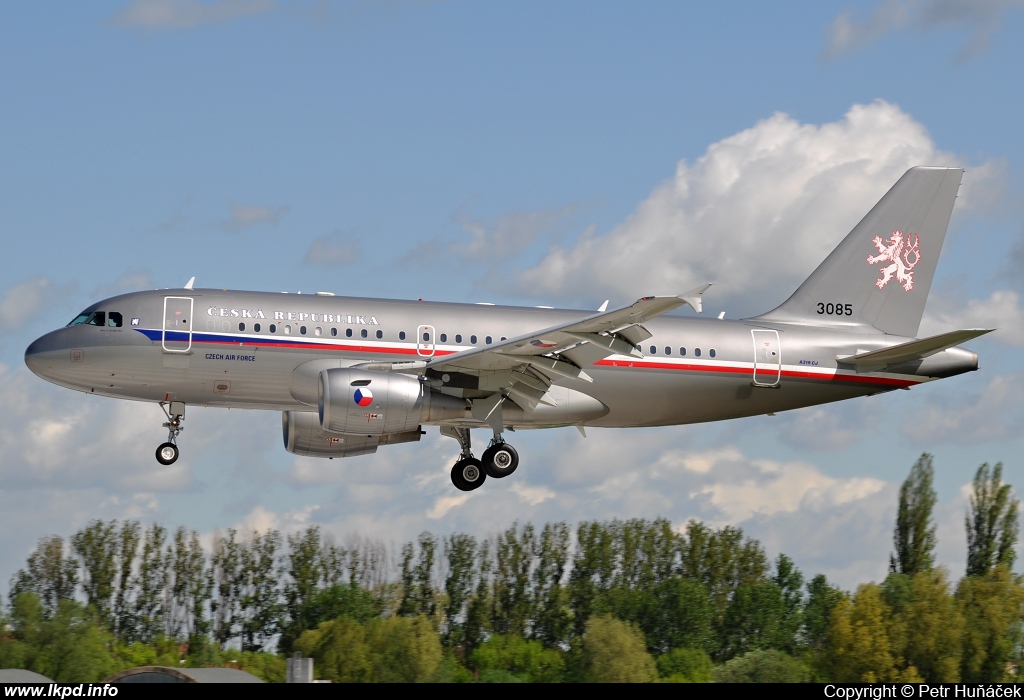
(23, 301)
(981, 18)
(334, 250)
(185, 14)
(1002, 311)
(243, 216)
(991, 413)
(755, 214)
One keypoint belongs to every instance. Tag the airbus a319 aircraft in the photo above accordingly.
(352, 374)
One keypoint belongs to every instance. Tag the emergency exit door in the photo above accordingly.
(767, 358)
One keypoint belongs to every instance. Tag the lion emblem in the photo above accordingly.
(902, 253)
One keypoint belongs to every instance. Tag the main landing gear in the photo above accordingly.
(167, 453)
(499, 460)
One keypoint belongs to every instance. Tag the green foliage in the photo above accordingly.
(683, 617)
(47, 574)
(914, 536)
(72, 647)
(822, 599)
(524, 658)
(991, 522)
(615, 652)
(763, 666)
(932, 628)
(991, 609)
(339, 651)
(686, 666)
(403, 649)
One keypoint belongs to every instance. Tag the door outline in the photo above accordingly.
(767, 357)
(425, 348)
(171, 323)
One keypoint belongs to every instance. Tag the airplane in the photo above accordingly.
(350, 374)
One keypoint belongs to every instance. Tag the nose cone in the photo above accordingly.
(41, 355)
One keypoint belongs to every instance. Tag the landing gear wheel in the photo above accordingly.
(468, 474)
(500, 460)
(167, 453)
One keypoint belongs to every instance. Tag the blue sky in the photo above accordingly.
(510, 152)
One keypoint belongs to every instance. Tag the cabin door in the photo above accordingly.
(177, 335)
(767, 358)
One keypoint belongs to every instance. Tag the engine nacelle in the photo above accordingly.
(365, 402)
(304, 436)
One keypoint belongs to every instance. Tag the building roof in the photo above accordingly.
(20, 675)
(166, 674)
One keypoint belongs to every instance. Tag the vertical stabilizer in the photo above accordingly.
(880, 274)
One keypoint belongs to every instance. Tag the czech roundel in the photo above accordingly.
(363, 396)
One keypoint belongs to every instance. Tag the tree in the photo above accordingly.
(933, 626)
(525, 659)
(551, 619)
(96, 546)
(261, 596)
(339, 651)
(914, 536)
(615, 652)
(459, 552)
(513, 560)
(686, 666)
(304, 568)
(48, 574)
(763, 666)
(150, 582)
(822, 599)
(991, 609)
(403, 649)
(991, 522)
(683, 617)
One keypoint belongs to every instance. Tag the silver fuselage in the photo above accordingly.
(242, 350)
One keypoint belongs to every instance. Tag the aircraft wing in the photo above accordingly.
(537, 355)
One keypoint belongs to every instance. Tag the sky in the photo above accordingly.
(523, 153)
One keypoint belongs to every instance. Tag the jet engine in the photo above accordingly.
(366, 402)
(304, 436)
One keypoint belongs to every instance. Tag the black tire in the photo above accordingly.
(468, 474)
(167, 453)
(500, 460)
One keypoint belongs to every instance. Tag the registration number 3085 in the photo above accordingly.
(835, 309)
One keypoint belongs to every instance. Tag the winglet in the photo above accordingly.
(693, 296)
(191, 281)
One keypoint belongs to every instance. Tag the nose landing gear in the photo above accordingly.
(168, 452)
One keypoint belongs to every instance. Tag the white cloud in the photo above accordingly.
(755, 214)
(21, 302)
(982, 18)
(243, 216)
(334, 250)
(184, 14)
(1002, 311)
(994, 412)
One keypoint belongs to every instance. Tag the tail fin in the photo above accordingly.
(880, 274)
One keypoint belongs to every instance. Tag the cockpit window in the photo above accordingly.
(114, 320)
(97, 318)
(79, 319)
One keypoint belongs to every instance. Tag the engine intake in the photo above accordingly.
(364, 402)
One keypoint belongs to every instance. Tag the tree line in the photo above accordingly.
(630, 599)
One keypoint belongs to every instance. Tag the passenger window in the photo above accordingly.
(711, 352)
(273, 328)
(363, 333)
(682, 351)
(348, 332)
(256, 327)
(287, 329)
(668, 350)
(98, 318)
(334, 332)
(318, 331)
(504, 338)
(458, 338)
(472, 340)
(654, 350)
(401, 335)
(426, 337)
(487, 340)
(444, 337)
(302, 330)
(241, 326)
(696, 352)
(380, 334)
(114, 319)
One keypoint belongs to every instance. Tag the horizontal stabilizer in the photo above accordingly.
(913, 350)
